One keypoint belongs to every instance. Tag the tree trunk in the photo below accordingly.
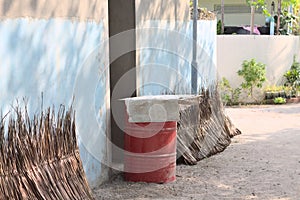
(252, 20)
(222, 16)
(278, 17)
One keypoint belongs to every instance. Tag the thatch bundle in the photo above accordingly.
(203, 14)
(39, 158)
(203, 129)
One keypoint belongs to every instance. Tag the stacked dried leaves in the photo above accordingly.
(203, 129)
(39, 158)
(203, 14)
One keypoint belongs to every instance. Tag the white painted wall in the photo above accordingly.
(275, 51)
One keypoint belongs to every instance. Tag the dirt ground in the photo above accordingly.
(262, 163)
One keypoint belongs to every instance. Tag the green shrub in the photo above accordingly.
(292, 76)
(279, 100)
(229, 95)
(254, 74)
(219, 27)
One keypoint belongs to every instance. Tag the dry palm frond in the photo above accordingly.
(203, 128)
(39, 158)
(203, 14)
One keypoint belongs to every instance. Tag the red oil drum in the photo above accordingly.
(150, 152)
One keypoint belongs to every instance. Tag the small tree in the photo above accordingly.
(254, 74)
(256, 4)
(282, 13)
(287, 22)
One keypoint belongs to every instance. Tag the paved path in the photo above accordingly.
(262, 163)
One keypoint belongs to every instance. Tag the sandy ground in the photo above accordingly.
(262, 163)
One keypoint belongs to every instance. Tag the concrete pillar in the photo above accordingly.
(122, 60)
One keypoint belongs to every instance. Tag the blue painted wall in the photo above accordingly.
(64, 59)
(61, 59)
(164, 51)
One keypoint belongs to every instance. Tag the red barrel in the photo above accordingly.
(150, 152)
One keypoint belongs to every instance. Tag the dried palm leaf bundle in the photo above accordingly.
(39, 157)
(203, 129)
